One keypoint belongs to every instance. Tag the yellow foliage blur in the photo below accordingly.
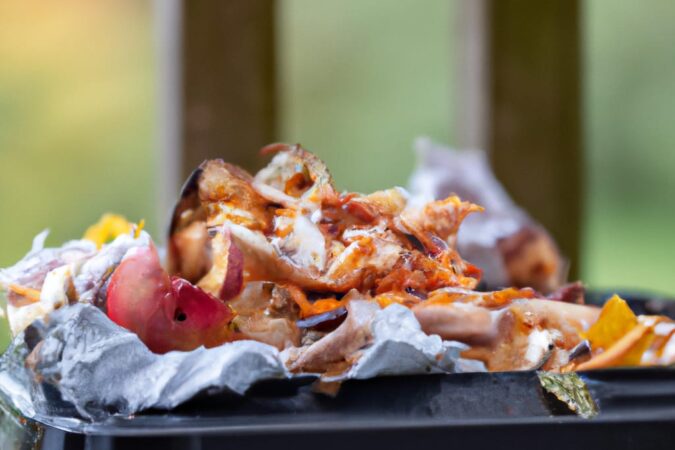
(77, 116)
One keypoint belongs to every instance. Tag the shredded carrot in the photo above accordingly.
(308, 308)
(325, 305)
(507, 295)
(282, 232)
(286, 212)
(28, 293)
(385, 300)
(442, 298)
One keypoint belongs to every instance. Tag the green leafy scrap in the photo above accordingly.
(570, 389)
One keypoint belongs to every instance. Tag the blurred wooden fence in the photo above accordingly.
(519, 94)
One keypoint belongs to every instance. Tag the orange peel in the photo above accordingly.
(627, 351)
(615, 320)
(617, 337)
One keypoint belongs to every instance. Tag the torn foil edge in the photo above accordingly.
(400, 347)
(103, 369)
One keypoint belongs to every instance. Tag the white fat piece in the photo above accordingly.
(540, 343)
(353, 234)
(352, 258)
(666, 355)
(223, 212)
(272, 172)
(31, 269)
(305, 245)
(52, 296)
(274, 195)
(93, 273)
(39, 241)
(86, 273)
(316, 216)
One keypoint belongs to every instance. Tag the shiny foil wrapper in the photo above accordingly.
(79, 367)
(509, 246)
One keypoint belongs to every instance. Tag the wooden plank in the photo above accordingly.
(228, 81)
(534, 111)
(472, 71)
(167, 24)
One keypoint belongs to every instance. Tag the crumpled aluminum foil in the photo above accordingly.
(99, 366)
(83, 366)
(442, 171)
(400, 347)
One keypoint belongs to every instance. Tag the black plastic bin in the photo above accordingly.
(465, 411)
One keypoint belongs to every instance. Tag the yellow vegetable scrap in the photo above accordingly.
(139, 228)
(617, 338)
(108, 227)
(616, 319)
